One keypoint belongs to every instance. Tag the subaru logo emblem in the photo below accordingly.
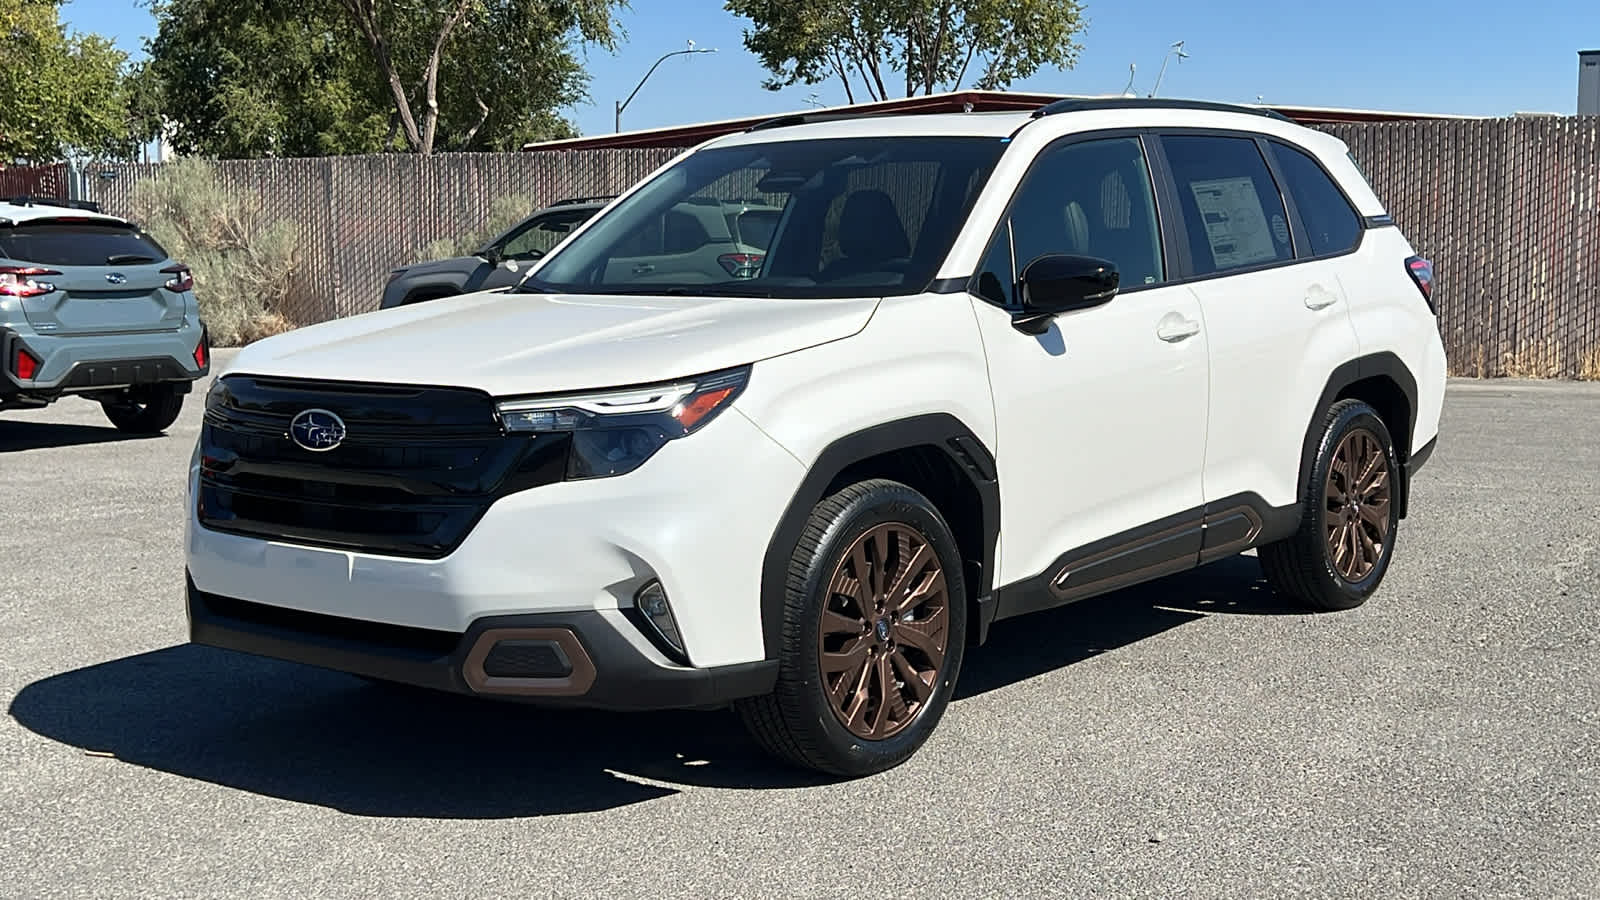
(883, 630)
(116, 278)
(317, 430)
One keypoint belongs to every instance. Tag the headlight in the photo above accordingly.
(613, 432)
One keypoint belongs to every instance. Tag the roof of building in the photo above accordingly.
(954, 102)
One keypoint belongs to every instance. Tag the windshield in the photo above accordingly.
(817, 218)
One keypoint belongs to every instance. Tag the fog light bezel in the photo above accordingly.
(671, 643)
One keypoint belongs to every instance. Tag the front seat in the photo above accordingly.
(870, 235)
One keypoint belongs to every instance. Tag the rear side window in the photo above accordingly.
(1231, 208)
(78, 244)
(1330, 224)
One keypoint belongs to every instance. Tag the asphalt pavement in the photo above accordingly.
(1187, 738)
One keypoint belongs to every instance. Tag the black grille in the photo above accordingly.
(526, 659)
(417, 468)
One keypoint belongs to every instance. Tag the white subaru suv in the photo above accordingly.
(986, 364)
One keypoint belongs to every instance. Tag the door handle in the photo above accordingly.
(1319, 297)
(643, 269)
(1175, 327)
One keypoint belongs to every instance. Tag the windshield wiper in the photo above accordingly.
(122, 259)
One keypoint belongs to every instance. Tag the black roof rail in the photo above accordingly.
(86, 205)
(573, 201)
(1071, 104)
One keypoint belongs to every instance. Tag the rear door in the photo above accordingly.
(108, 277)
(1274, 313)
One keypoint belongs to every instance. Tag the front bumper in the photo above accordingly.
(73, 364)
(588, 658)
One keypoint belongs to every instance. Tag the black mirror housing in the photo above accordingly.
(1057, 283)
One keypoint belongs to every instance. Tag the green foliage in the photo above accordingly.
(252, 78)
(918, 46)
(60, 94)
(504, 212)
(244, 265)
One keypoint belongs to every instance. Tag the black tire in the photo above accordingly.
(148, 410)
(1303, 568)
(797, 723)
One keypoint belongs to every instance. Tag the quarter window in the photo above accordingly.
(1232, 212)
(1331, 225)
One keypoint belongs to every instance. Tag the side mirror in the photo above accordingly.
(1057, 283)
(494, 255)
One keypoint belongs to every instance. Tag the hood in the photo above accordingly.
(451, 264)
(507, 343)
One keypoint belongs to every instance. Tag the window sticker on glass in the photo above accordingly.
(1236, 223)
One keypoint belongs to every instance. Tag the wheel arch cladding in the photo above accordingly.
(936, 455)
(1382, 381)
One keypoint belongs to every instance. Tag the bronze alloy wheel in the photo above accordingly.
(885, 624)
(1356, 511)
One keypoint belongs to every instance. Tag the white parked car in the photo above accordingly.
(988, 364)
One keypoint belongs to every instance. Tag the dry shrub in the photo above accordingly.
(244, 266)
(504, 212)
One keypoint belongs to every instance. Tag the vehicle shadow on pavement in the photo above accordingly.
(312, 736)
(18, 436)
(1031, 645)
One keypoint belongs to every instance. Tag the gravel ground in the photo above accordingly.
(1189, 737)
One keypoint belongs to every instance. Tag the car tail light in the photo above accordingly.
(182, 279)
(26, 366)
(22, 281)
(741, 265)
(1421, 271)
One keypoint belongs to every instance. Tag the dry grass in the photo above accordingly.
(1589, 366)
(1540, 359)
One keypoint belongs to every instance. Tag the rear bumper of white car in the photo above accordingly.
(539, 601)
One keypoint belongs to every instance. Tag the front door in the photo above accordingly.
(1100, 420)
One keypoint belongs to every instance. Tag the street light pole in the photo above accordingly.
(623, 104)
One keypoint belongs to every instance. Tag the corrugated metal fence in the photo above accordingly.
(1506, 208)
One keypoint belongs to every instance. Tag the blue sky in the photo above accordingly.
(1466, 56)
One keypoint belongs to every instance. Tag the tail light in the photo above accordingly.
(181, 280)
(26, 366)
(741, 265)
(22, 281)
(1421, 271)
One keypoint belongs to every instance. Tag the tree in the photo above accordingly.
(475, 46)
(63, 94)
(931, 44)
(243, 78)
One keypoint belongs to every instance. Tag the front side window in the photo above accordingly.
(1331, 225)
(835, 217)
(1231, 208)
(1091, 198)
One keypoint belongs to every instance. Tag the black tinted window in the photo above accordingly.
(997, 280)
(1330, 224)
(1094, 199)
(1231, 208)
(78, 244)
